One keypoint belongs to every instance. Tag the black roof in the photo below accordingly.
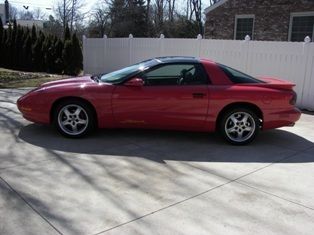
(177, 59)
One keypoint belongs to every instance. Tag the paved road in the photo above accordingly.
(153, 182)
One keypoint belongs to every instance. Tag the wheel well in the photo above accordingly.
(249, 106)
(60, 100)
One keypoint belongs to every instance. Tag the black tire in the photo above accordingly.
(86, 114)
(235, 130)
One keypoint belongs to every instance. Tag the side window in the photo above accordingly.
(176, 74)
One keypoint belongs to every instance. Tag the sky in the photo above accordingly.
(43, 4)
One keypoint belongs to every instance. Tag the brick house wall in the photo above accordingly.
(271, 23)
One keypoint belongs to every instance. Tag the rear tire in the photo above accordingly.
(239, 126)
(74, 118)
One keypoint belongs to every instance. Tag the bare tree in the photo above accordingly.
(75, 14)
(26, 15)
(194, 10)
(100, 20)
(13, 12)
(171, 6)
(62, 12)
(39, 14)
(158, 14)
(68, 12)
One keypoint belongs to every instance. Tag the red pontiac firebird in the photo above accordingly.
(179, 93)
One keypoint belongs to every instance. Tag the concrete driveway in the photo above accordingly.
(153, 182)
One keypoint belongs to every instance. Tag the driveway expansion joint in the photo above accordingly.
(29, 205)
(212, 189)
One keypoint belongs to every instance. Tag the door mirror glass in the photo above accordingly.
(137, 82)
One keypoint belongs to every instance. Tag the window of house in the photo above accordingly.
(301, 25)
(244, 25)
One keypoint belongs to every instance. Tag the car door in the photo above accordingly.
(174, 96)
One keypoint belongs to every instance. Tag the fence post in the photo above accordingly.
(199, 39)
(105, 64)
(130, 48)
(161, 45)
(307, 77)
(247, 40)
(84, 54)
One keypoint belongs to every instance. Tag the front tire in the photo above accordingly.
(73, 118)
(239, 126)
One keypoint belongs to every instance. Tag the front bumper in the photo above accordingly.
(32, 112)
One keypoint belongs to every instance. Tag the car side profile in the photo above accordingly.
(177, 93)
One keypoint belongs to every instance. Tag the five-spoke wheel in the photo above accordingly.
(239, 126)
(73, 118)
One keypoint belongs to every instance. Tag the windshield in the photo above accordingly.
(119, 75)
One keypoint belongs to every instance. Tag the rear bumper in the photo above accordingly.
(281, 118)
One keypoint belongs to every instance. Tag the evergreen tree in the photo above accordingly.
(77, 55)
(27, 53)
(1, 36)
(48, 52)
(18, 47)
(26, 50)
(138, 16)
(128, 16)
(12, 59)
(58, 65)
(67, 34)
(7, 46)
(44, 50)
(37, 59)
(67, 55)
(50, 55)
(32, 50)
(1, 29)
(34, 35)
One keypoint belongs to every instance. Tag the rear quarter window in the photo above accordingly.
(236, 76)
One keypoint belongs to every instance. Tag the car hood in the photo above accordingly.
(68, 81)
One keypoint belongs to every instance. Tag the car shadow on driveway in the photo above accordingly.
(159, 146)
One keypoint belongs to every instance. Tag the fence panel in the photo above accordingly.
(293, 61)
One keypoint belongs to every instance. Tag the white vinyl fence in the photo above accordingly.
(292, 61)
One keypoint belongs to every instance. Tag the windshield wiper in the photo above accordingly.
(95, 78)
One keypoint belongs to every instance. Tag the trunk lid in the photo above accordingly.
(275, 83)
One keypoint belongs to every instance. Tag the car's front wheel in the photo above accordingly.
(239, 126)
(73, 118)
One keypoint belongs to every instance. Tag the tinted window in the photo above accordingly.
(236, 76)
(176, 74)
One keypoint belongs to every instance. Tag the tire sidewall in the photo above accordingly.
(227, 115)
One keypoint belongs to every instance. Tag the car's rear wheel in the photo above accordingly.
(73, 118)
(239, 126)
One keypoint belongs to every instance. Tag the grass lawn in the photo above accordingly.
(16, 79)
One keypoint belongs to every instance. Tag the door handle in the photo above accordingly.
(198, 95)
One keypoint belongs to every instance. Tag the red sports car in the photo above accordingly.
(179, 93)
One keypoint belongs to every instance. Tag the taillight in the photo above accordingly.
(293, 99)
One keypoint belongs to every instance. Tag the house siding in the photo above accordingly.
(272, 18)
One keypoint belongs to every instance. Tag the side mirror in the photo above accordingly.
(135, 82)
